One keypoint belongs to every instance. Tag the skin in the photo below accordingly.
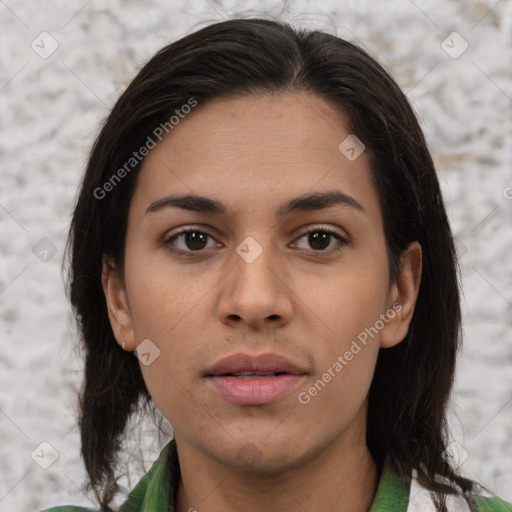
(253, 153)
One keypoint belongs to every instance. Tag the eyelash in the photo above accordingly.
(169, 242)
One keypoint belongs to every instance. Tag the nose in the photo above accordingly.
(256, 292)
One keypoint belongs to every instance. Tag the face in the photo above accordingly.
(263, 324)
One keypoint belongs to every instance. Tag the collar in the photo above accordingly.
(159, 487)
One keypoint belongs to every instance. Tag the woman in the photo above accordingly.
(260, 248)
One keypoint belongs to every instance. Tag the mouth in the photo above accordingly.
(251, 375)
(243, 379)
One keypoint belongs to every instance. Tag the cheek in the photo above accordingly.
(168, 307)
(349, 309)
(349, 301)
(163, 298)
(347, 354)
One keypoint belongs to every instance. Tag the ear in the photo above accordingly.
(402, 297)
(117, 305)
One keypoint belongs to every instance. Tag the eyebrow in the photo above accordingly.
(305, 202)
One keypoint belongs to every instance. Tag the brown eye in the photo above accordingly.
(189, 240)
(195, 240)
(320, 240)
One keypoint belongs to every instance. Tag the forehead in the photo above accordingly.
(259, 127)
(250, 146)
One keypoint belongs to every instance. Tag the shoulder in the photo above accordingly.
(494, 504)
(68, 508)
(151, 492)
(421, 500)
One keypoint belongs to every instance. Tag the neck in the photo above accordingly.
(342, 477)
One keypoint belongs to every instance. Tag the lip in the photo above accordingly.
(242, 362)
(249, 389)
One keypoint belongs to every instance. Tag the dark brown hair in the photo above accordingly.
(412, 381)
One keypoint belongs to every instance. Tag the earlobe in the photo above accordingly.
(404, 293)
(117, 305)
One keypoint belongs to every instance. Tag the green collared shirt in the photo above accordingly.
(156, 492)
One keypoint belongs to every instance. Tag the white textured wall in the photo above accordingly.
(51, 109)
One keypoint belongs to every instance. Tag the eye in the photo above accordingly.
(189, 240)
(192, 240)
(319, 239)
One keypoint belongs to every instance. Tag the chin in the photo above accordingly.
(261, 456)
